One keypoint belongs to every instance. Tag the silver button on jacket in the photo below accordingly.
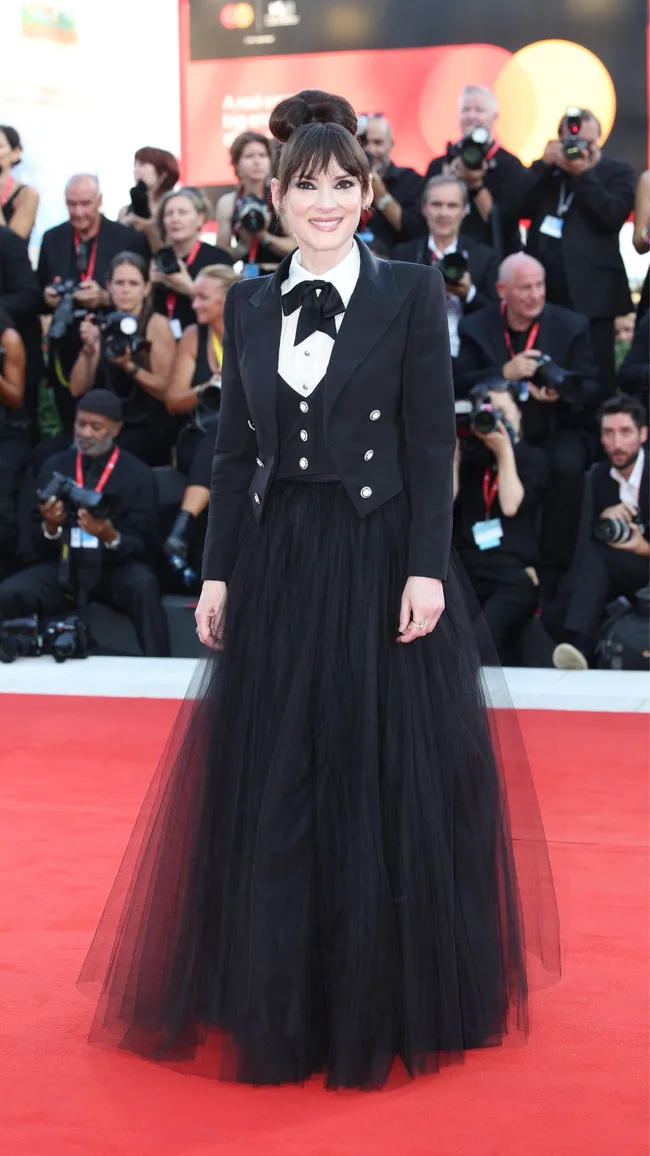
(375, 415)
(257, 498)
(304, 407)
(366, 492)
(259, 461)
(303, 435)
(368, 454)
(303, 463)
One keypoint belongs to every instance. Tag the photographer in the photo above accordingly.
(616, 559)
(181, 217)
(247, 224)
(495, 178)
(577, 201)
(194, 390)
(75, 257)
(470, 269)
(508, 341)
(134, 366)
(397, 191)
(155, 172)
(498, 484)
(18, 203)
(101, 555)
(15, 441)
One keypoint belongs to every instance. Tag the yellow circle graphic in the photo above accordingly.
(537, 85)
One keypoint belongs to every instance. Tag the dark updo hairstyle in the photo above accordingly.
(317, 129)
(13, 139)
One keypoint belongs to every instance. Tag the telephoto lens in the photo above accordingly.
(613, 530)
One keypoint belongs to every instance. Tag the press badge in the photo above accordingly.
(176, 328)
(251, 270)
(488, 534)
(82, 540)
(552, 226)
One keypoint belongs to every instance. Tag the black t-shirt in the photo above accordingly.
(504, 180)
(405, 186)
(519, 541)
(180, 306)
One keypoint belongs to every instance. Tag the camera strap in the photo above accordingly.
(218, 349)
(172, 297)
(88, 273)
(530, 340)
(10, 188)
(107, 471)
(564, 202)
(490, 488)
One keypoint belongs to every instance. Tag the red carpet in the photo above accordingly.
(74, 772)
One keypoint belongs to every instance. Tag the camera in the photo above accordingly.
(553, 376)
(573, 145)
(615, 530)
(20, 638)
(472, 149)
(139, 205)
(478, 414)
(66, 638)
(65, 312)
(251, 213)
(166, 261)
(74, 496)
(119, 333)
(453, 267)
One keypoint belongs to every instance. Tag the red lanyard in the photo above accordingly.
(108, 470)
(172, 298)
(9, 188)
(494, 148)
(489, 490)
(88, 275)
(530, 340)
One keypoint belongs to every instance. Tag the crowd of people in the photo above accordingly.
(123, 323)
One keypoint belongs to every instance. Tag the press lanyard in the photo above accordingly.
(565, 202)
(108, 470)
(494, 148)
(530, 340)
(172, 298)
(218, 349)
(489, 491)
(90, 269)
(9, 188)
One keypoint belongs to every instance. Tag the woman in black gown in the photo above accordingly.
(323, 875)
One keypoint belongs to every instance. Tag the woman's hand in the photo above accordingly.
(210, 614)
(423, 602)
(90, 337)
(180, 282)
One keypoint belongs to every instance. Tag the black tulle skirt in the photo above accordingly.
(328, 872)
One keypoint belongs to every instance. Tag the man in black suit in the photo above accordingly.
(20, 297)
(84, 555)
(577, 207)
(469, 268)
(396, 191)
(496, 186)
(80, 250)
(505, 342)
(498, 485)
(606, 569)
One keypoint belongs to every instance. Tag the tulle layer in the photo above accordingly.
(328, 872)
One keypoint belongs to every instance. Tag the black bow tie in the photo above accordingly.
(317, 309)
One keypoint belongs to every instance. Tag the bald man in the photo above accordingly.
(504, 342)
(80, 250)
(396, 191)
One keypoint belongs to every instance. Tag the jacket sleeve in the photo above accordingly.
(471, 367)
(581, 360)
(607, 203)
(233, 464)
(413, 223)
(137, 524)
(21, 296)
(430, 429)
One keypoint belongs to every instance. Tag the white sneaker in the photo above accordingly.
(568, 657)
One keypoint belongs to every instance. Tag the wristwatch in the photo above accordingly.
(383, 202)
(51, 537)
(115, 543)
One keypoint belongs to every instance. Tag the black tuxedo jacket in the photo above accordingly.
(481, 260)
(387, 389)
(563, 334)
(605, 491)
(603, 199)
(58, 258)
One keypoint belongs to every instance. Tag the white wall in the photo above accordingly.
(87, 104)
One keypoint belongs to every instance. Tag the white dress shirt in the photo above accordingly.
(629, 489)
(304, 366)
(455, 309)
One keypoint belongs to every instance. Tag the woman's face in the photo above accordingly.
(254, 163)
(322, 211)
(208, 300)
(181, 221)
(145, 171)
(128, 289)
(8, 156)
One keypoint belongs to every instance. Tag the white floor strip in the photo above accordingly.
(529, 689)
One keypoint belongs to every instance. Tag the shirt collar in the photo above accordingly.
(442, 253)
(636, 476)
(343, 276)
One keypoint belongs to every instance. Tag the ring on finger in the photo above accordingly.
(420, 625)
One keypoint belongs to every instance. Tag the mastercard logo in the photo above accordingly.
(237, 16)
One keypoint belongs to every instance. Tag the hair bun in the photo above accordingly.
(311, 106)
